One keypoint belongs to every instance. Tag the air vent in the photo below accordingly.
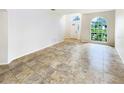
(53, 9)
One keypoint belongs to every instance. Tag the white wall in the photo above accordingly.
(119, 35)
(32, 30)
(3, 37)
(86, 19)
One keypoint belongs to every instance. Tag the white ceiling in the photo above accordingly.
(3, 10)
(83, 11)
(62, 11)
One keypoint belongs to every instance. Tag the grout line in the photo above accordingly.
(15, 77)
(33, 70)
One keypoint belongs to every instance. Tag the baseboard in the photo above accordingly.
(34, 51)
(3, 63)
(119, 55)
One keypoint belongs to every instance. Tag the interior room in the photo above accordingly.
(61, 46)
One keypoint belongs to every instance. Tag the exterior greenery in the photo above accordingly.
(99, 29)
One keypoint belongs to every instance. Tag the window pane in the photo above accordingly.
(99, 29)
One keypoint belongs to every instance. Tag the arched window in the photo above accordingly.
(99, 29)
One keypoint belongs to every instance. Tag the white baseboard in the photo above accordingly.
(120, 55)
(32, 52)
(3, 63)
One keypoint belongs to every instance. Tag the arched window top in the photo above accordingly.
(99, 21)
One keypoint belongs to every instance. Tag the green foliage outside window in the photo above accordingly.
(99, 29)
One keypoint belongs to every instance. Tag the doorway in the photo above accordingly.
(72, 26)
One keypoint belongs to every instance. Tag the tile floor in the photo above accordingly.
(69, 62)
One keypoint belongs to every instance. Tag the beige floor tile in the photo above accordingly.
(109, 78)
(22, 72)
(4, 68)
(32, 79)
(59, 78)
(8, 78)
(69, 62)
(115, 69)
